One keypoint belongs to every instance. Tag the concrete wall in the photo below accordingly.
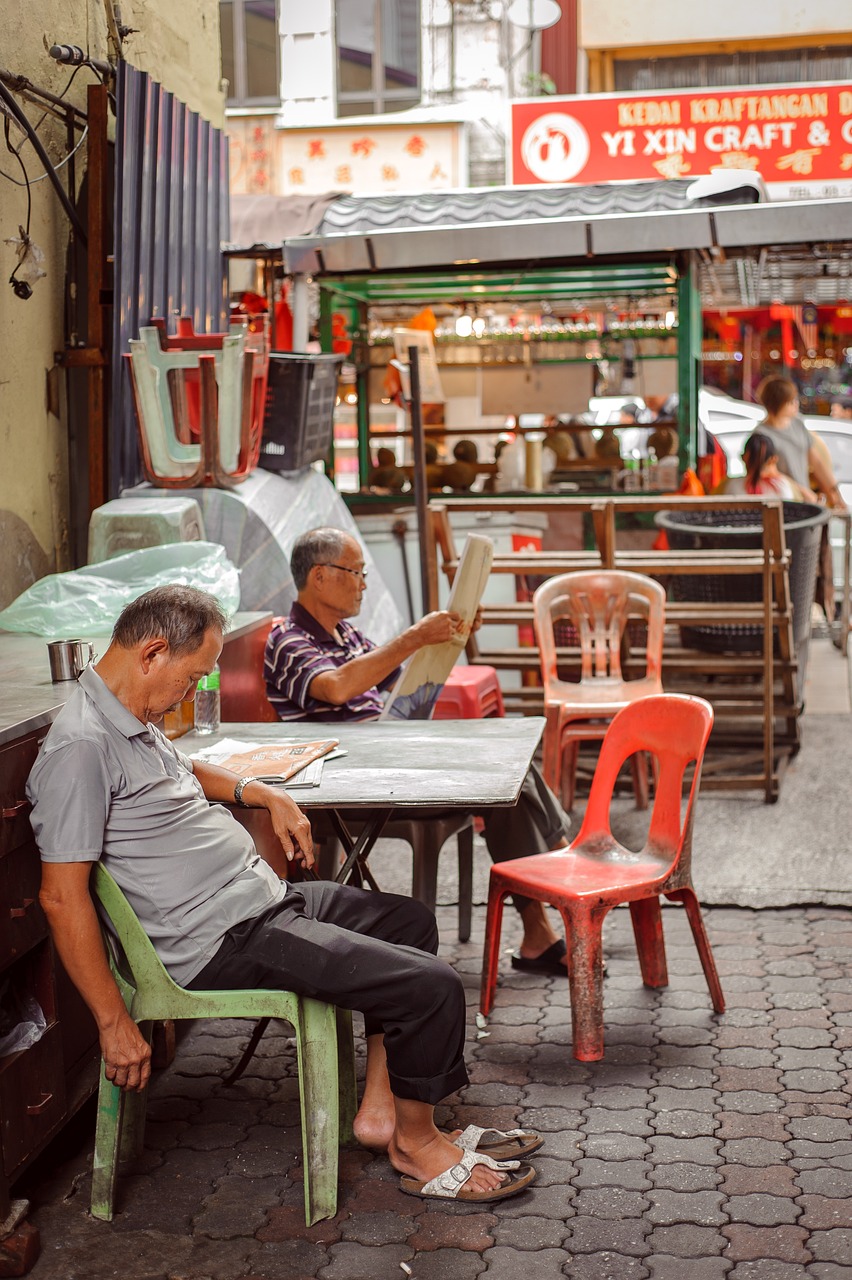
(179, 45)
(612, 24)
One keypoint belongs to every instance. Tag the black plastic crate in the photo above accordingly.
(298, 425)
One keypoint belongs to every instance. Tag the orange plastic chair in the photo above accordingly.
(598, 603)
(597, 873)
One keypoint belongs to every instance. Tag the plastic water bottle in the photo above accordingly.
(207, 707)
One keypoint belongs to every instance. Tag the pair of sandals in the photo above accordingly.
(503, 1151)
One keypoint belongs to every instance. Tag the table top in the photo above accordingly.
(405, 763)
(30, 700)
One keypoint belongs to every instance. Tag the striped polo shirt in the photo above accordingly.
(298, 650)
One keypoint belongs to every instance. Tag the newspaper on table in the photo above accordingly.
(274, 761)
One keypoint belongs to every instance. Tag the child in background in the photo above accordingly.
(763, 475)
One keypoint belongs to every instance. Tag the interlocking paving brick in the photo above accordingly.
(826, 1152)
(825, 1212)
(529, 1233)
(828, 1271)
(747, 1057)
(270, 1262)
(804, 1037)
(808, 1081)
(631, 1174)
(831, 1246)
(458, 1264)
(820, 1128)
(701, 1207)
(762, 1210)
(736, 1124)
(570, 1097)
(237, 1207)
(769, 1269)
(349, 1259)
(686, 1241)
(668, 1268)
(685, 1177)
(378, 1228)
(792, 1058)
(668, 1149)
(687, 1059)
(550, 1172)
(549, 1120)
(756, 1037)
(773, 1180)
(786, 1243)
(826, 1182)
(754, 1151)
(436, 1229)
(685, 1124)
(592, 1235)
(287, 1222)
(610, 1202)
(607, 1266)
(615, 1146)
(811, 1017)
(556, 1201)
(685, 1078)
(633, 1121)
(615, 1097)
(758, 1079)
(504, 1264)
(667, 1099)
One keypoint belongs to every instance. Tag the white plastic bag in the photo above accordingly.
(87, 601)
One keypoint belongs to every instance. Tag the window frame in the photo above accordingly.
(238, 92)
(382, 99)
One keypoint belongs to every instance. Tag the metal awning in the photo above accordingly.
(750, 254)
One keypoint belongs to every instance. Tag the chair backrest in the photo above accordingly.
(599, 603)
(137, 966)
(674, 728)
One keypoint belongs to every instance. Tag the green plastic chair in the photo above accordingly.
(325, 1056)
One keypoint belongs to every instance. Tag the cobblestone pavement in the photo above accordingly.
(700, 1147)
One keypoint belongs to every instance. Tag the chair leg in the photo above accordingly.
(568, 779)
(639, 771)
(346, 1074)
(424, 866)
(111, 1103)
(585, 977)
(647, 919)
(316, 1043)
(491, 951)
(702, 942)
(464, 841)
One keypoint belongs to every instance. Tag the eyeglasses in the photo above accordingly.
(356, 573)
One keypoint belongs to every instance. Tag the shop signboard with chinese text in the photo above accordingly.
(797, 137)
(369, 160)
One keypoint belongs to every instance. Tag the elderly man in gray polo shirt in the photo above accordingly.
(108, 784)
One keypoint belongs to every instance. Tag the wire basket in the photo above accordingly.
(742, 529)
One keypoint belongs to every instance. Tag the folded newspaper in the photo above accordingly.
(266, 759)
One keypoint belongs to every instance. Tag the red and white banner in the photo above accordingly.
(798, 137)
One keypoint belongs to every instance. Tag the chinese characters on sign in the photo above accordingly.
(385, 158)
(251, 159)
(785, 134)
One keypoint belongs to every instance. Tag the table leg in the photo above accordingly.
(358, 850)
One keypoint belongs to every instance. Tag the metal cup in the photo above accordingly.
(68, 658)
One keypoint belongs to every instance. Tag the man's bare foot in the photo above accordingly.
(373, 1127)
(434, 1156)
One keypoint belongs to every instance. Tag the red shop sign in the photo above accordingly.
(790, 133)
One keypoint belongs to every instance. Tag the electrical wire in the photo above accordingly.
(26, 181)
(41, 177)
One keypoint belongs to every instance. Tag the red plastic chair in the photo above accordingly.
(596, 873)
(598, 604)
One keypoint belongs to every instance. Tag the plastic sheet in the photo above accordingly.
(87, 601)
(22, 1021)
(257, 523)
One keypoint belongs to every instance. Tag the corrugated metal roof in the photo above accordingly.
(361, 215)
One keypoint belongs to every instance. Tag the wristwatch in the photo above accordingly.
(240, 788)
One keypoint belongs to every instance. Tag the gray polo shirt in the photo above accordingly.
(106, 785)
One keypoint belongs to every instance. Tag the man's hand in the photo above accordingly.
(126, 1054)
(439, 628)
(289, 823)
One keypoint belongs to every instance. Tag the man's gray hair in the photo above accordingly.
(181, 615)
(317, 546)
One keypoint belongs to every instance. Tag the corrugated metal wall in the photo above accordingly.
(171, 216)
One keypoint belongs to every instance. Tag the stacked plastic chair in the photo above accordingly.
(209, 388)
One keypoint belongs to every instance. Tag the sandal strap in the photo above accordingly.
(449, 1183)
(470, 1139)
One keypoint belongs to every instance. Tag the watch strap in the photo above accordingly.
(238, 791)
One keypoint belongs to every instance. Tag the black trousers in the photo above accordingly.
(374, 952)
(536, 824)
